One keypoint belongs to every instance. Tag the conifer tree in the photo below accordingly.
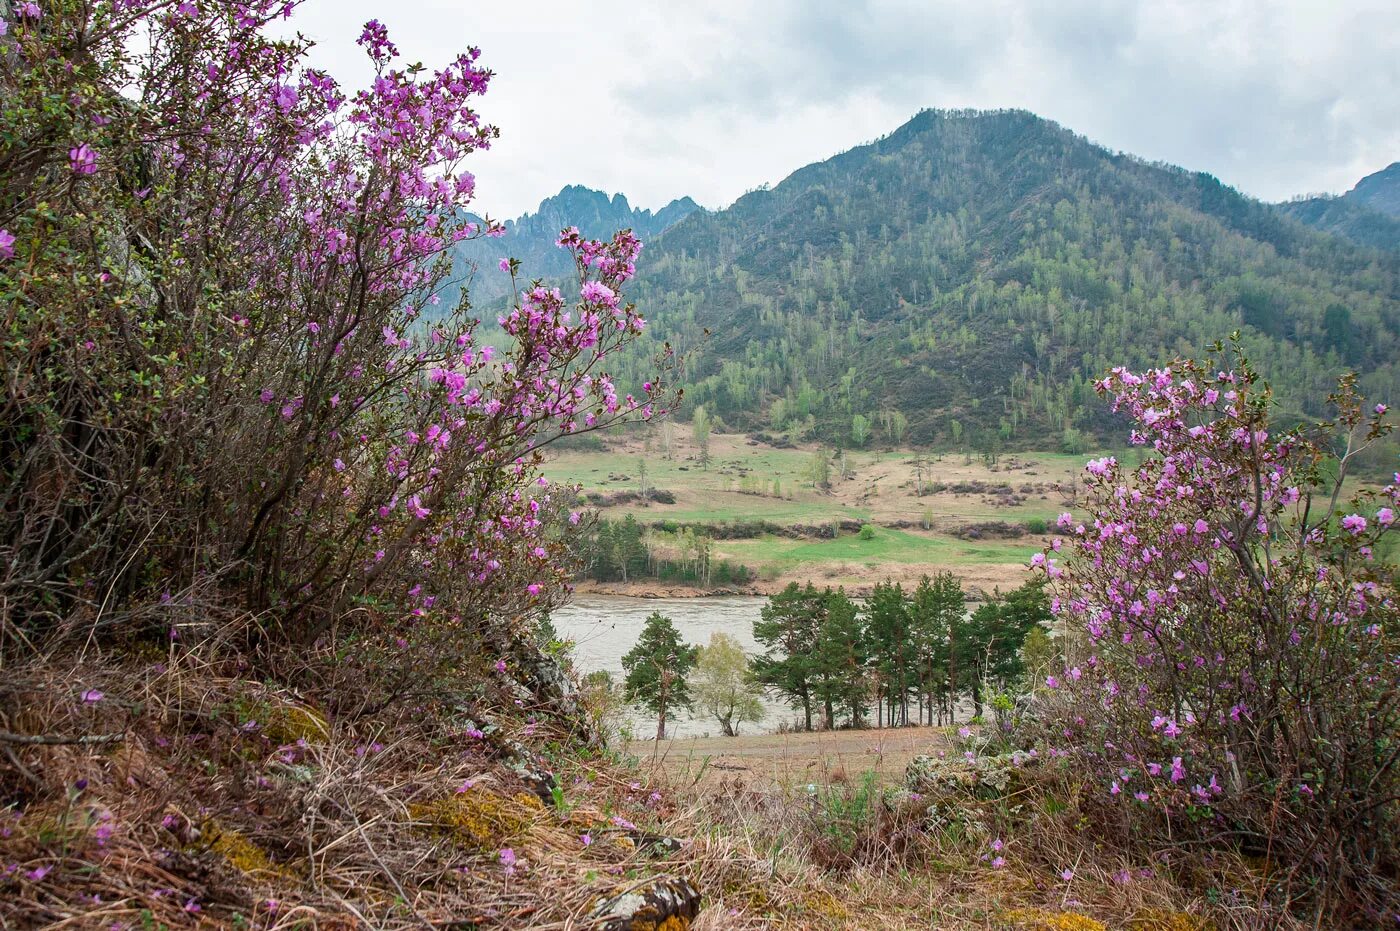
(892, 651)
(657, 668)
(788, 626)
(840, 660)
(935, 608)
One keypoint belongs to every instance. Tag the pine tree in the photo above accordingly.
(788, 626)
(840, 660)
(997, 631)
(936, 606)
(892, 652)
(657, 668)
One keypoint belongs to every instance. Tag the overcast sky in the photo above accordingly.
(713, 98)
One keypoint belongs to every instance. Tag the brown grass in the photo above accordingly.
(196, 818)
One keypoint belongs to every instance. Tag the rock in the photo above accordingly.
(982, 776)
(667, 902)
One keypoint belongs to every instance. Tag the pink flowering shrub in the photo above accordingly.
(1232, 636)
(236, 370)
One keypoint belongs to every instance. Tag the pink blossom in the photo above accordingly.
(7, 239)
(82, 159)
(1354, 524)
(92, 697)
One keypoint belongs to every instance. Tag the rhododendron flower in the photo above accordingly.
(82, 159)
(998, 862)
(29, 9)
(1101, 466)
(508, 859)
(92, 697)
(7, 239)
(1354, 524)
(1385, 517)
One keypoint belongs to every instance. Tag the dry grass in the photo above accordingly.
(198, 818)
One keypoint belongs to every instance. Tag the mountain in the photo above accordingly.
(531, 237)
(1380, 191)
(967, 277)
(1368, 214)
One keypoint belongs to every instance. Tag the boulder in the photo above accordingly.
(666, 902)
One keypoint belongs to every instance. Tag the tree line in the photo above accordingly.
(896, 659)
(624, 551)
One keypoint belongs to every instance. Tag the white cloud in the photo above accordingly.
(664, 99)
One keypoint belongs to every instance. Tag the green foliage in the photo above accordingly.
(845, 813)
(657, 668)
(867, 531)
(1001, 626)
(722, 684)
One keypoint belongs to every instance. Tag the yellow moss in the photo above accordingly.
(241, 853)
(479, 818)
(1155, 919)
(673, 923)
(824, 903)
(1035, 919)
(748, 891)
(286, 724)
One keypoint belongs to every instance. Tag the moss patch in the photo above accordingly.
(479, 818)
(1035, 919)
(240, 852)
(1156, 919)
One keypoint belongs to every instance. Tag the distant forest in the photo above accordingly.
(964, 280)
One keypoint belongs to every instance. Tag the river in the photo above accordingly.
(604, 627)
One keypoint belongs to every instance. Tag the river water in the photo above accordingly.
(604, 627)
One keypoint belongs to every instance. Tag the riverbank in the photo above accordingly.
(978, 581)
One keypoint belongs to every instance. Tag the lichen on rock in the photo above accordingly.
(667, 903)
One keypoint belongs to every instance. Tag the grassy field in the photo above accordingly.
(767, 761)
(914, 534)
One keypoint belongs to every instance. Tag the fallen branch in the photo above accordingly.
(51, 740)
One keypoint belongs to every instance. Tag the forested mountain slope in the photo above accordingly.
(968, 276)
(1369, 213)
(531, 237)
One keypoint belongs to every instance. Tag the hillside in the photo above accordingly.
(1368, 214)
(531, 237)
(967, 277)
(1380, 191)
